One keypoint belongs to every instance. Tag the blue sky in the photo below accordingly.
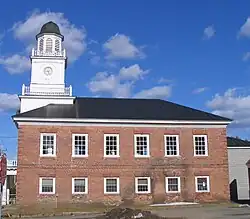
(196, 53)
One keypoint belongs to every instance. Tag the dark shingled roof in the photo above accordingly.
(50, 27)
(237, 142)
(118, 108)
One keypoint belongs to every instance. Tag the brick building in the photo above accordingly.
(77, 149)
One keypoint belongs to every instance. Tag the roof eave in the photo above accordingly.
(88, 120)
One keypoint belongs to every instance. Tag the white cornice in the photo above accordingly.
(120, 122)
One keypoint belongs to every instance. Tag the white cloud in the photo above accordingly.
(160, 92)
(133, 72)
(9, 102)
(120, 46)
(199, 90)
(74, 37)
(232, 104)
(246, 56)
(117, 85)
(245, 29)
(15, 64)
(208, 32)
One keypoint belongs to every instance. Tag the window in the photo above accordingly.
(142, 185)
(202, 184)
(111, 186)
(173, 184)
(79, 145)
(141, 145)
(48, 144)
(171, 145)
(79, 185)
(111, 145)
(47, 185)
(49, 45)
(200, 145)
(41, 44)
(57, 45)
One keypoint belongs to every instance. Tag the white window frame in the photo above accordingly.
(73, 145)
(206, 144)
(118, 145)
(177, 145)
(135, 145)
(136, 185)
(208, 184)
(41, 145)
(40, 186)
(118, 185)
(73, 185)
(179, 184)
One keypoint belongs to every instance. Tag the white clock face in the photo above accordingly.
(47, 71)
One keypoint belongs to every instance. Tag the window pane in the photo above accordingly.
(47, 185)
(141, 145)
(200, 145)
(171, 145)
(111, 144)
(111, 185)
(80, 142)
(80, 185)
(48, 144)
(173, 184)
(142, 185)
(202, 184)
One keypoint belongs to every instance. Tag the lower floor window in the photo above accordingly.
(79, 185)
(142, 185)
(47, 185)
(172, 184)
(111, 185)
(202, 183)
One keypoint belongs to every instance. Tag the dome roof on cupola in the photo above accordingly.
(50, 28)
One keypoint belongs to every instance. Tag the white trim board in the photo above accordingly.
(120, 121)
(119, 125)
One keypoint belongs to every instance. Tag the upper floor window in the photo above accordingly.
(111, 145)
(79, 145)
(200, 145)
(202, 184)
(47, 185)
(141, 146)
(79, 185)
(47, 144)
(41, 41)
(49, 45)
(57, 45)
(171, 145)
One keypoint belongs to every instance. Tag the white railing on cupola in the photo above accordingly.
(48, 54)
(67, 91)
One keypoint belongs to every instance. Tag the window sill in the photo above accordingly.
(174, 156)
(48, 156)
(202, 192)
(142, 193)
(79, 193)
(146, 156)
(112, 156)
(47, 193)
(111, 193)
(80, 156)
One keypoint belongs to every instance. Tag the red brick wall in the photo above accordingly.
(126, 167)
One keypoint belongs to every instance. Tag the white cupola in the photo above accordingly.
(48, 65)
